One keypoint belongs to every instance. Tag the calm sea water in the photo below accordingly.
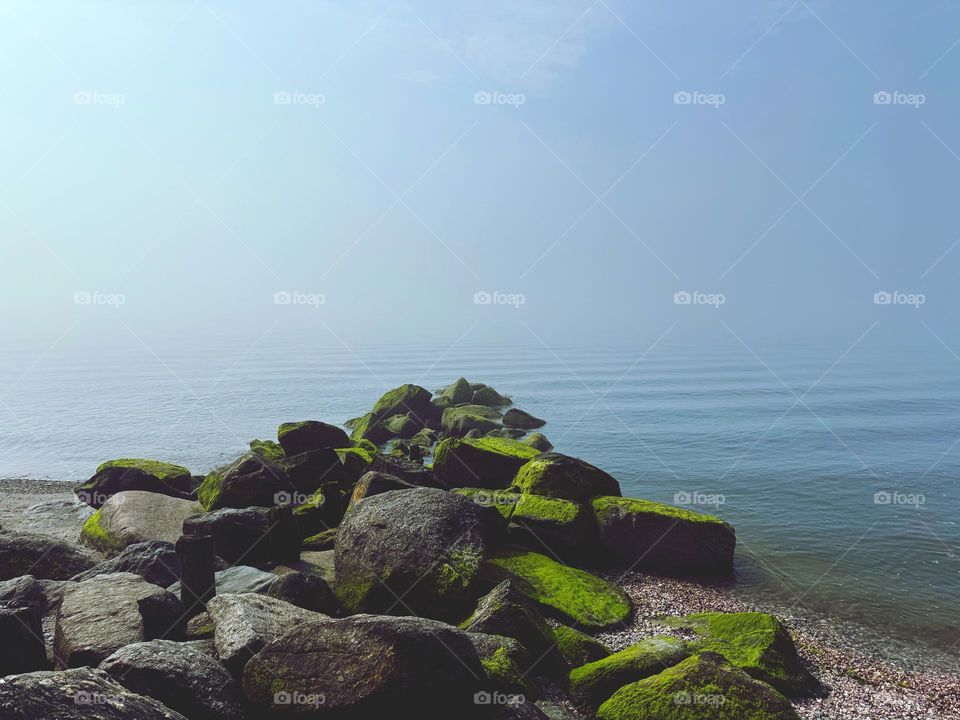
(843, 487)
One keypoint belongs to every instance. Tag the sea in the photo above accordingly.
(840, 475)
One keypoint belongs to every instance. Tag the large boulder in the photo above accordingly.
(595, 682)
(367, 667)
(242, 624)
(376, 483)
(755, 642)
(309, 471)
(134, 474)
(504, 611)
(368, 428)
(577, 648)
(507, 663)
(568, 594)
(562, 528)
(179, 675)
(250, 481)
(306, 590)
(480, 462)
(702, 686)
(80, 694)
(23, 591)
(41, 556)
(402, 400)
(237, 579)
(155, 561)
(301, 437)
(422, 545)
(461, 419)
(561, 476)
(135, 516)
(268, 449)
(23, 649)
(517, 418)
(101, 615)
(486, 395)
(251, 535)
(653, 537)
(458, 392)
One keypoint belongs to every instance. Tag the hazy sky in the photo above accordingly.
(170, 167)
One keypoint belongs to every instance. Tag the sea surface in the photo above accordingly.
(841, 478)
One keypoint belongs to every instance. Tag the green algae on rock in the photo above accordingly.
(401, 400)
(570, 595)
(176, 476)
(598, 680)
(562, 527)
(539, 441)
(457, 393)
(250, 481)
(661, 538)
(94, 535)
(577, 648)
(702, 686)
(460, 419)
(268, 449)
(307, 435)
(486, 395)
(561, 476)
(480, 462)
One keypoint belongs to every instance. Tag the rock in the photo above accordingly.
(305, 590)
(80, 694)
(702, 686)
(301, 437)
(23, 649)
(24, 591)
(486, 395)
(561, 476)
(595, 682)
(60, 518)
(504, 611)
(505, 432)
(320, 511)
(755, 642)
(423, 545)
(237, 579)
(568, 594)
(368, 667)
(133, 474)
(368, 427)
(402, 400)
(323, 540)
(404, 426)
(408, 471)
(200, 627)
(356, 461)
(135, 516)
(315, 469)
(515, 707)
(242, 624)
(251, 535)
(473, 434)
(41, 556)
(155, 561)
(198, 562)
(180, 676)
(101, 615)
(560, 528)
(502, 659)
(538, 441)
(268, 449)
(483, 462)
(251, 481)
(320, 562)
(457, 393)
(578, 648)
(424, 438)
(557, 711)
(652, 537)
(459, 420)
(517, 418)
(375, 483)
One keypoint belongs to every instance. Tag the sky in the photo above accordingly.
(388, 172)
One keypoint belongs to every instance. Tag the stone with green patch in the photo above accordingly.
(461, 419)
(268, 449)
(480, 462)
(561, 476)
(577, 648)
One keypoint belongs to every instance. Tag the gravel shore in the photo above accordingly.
(859, 686)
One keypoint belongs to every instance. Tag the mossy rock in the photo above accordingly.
(268, 449)
(577, 648)
(480, 462)
(457, 393)
(517, 418)
(659, 538)
(403, 426)
(461, 419)
(561, 476)
(368, 446)
(323, 540)
(176, 476)
(539, 441)
(375, 483)
(310, 470)
(755, 642)
(505, 502)
(307, 435)
(250, 481)
(402, 400)
(486, 395)
(355, 460)
(94, 534)
(562, 528)
(368, 427)
(595, 682)
(425, 438)
(505, 432)
(572, 596)
(320, 511)
(702, 686)
(504, 675)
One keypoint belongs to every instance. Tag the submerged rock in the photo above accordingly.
(483, 462)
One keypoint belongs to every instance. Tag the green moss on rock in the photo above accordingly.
(210, 488)
(503, 672)
(96, 536)
(165, 471)
(479, 462)
(505, 502)
(561, 476)
(401, 400)
(269, 449)
(323, 540)
(570, 595)
(461, 419)
(577, 648)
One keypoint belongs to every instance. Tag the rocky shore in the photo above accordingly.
(436, 559)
